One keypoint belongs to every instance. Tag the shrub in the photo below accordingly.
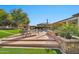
(68, 30)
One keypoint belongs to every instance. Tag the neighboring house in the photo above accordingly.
(74, 19)
(7, 27)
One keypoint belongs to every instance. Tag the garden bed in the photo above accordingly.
(69, 46)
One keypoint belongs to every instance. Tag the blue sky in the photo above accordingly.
(39, 13)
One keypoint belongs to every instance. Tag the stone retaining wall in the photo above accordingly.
(69, 46)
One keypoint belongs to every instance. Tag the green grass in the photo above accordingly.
(27, 51)
(5, 33)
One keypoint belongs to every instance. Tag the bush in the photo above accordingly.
(68, 30)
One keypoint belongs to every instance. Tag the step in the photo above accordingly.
(30, 40)
(32, 44)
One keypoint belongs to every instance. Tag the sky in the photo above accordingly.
(40, 13)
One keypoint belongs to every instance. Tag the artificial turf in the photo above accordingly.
(28, 51)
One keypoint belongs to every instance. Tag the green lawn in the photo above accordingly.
(28, 51)
(5, 33)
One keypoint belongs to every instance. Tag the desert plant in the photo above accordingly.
(68, 30)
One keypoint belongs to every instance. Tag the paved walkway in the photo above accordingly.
(40, 40)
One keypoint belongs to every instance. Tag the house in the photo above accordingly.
(74, 19)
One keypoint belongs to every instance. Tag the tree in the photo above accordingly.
(3, 16)
(20, 17)
(9, 19)
(15, 18)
